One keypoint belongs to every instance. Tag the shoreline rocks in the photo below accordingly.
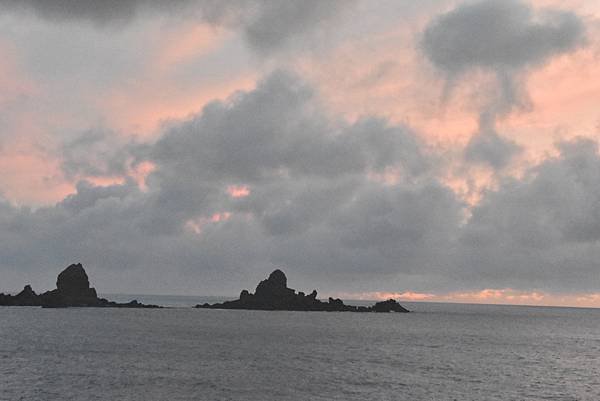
(273, 294)
(72, 290)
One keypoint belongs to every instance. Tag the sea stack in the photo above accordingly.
(74, 282)
(273, 294)
(72, 290)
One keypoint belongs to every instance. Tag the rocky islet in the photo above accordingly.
(273, 294)
(72, 290)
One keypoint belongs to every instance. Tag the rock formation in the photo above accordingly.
(73, 281)
(72, 290)
(391, 305)
(27, 297)
(273, 294)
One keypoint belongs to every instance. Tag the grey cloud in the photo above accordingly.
(276, 140)
(97, 11)
(489, 148)
(98, 153)
(244, 140)
(116, 11)
(499, 35)
(88, 195)
(405, 224)
(266, 25)
(315, 210)
(535, 232)
(543, 229)
(310, 198)
(277, 23)
(507, 39)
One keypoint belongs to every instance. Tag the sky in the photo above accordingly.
(437, 150)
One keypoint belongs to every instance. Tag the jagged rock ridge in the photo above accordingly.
(273, 294)
(72, 290)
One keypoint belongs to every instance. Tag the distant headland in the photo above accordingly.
(273, 294)
(72, 290)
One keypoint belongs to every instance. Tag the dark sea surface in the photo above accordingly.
(439, 352)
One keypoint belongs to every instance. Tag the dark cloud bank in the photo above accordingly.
(317, 205)
(317, 209)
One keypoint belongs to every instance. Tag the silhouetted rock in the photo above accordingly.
(274, 288)
(27, 297)
(244, 295)
(273, 294)
(73, 282)
(72, 290)
(391, 305)
(131, 304)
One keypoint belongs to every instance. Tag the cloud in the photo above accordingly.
(506, 39)
(98, 153)
(246, 140)
(97, 11)
(278, 23)
(491, 149)
(312, 206)
(267, 26)
(500, 36)
(487, 147)
(542, 230)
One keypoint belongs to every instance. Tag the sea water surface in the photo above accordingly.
(438, 352)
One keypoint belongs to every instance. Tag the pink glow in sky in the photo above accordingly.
(504, 296)
(238, 191)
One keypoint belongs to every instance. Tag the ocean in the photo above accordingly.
(438, 352)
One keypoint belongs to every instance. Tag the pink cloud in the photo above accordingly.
(191, 41)
(31, 177)
(518, 297)
(197, 225)
(404, 88)
(158, 93)
(381, 296)
(238, 191)
(140, 107)
(140, 172)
